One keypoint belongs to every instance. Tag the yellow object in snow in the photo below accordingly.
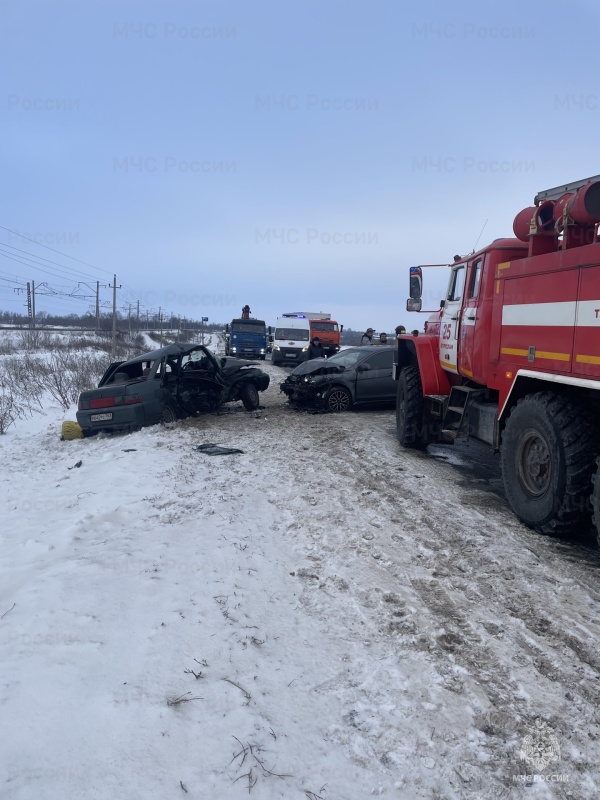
(70, 430)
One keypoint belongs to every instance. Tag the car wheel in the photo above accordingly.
(548, 454)
(168, 415)
(338, 399)
(249, 396)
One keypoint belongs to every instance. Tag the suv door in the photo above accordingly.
(374, 379)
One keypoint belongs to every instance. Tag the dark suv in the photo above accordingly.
(164, 385)
(355, 376)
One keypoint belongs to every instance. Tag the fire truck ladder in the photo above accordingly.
(558, 191)
(456, 417)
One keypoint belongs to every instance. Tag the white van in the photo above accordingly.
(291, 339)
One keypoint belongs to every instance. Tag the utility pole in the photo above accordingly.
(129, 318)
(97, 306)
(160, 323)
(114, 287)
(137, 324)
(31, 304)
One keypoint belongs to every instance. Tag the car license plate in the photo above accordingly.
(290, 355)
(100, 417)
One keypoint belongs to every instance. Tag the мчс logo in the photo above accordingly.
(540, 747)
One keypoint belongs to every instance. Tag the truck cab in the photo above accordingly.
(246, 338)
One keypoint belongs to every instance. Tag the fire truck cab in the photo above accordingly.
(514, 359)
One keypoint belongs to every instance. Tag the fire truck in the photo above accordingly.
(512, 359)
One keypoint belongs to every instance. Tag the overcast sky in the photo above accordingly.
(296, 155)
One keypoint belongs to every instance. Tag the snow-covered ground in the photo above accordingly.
(323, 616)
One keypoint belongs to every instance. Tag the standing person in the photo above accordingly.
(400, 329)
(367, 337)
(315, 349)
(383, 339)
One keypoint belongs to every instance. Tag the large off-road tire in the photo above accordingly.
(249, 396)
(548, 453)
(168, 415)
(596, 501)
(409, 409)
(338, 399)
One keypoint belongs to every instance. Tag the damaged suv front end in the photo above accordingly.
(355, 376)
(309, 383)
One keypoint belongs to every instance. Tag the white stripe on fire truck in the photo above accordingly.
(551, 314)
(585, 313)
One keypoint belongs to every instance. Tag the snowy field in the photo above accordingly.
(325, 616)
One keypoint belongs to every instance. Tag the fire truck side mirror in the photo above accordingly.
(415, 283)
(442, 303)
(341, 328)
(413, 305)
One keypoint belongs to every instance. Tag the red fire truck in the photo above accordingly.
(512, 359)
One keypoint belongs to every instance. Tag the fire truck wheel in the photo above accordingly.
(548, 452)
(337, 399)
(409, 409)
(596, 501)
(249, 396)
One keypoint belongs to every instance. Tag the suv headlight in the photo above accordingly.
(276, 347)
(305, 348)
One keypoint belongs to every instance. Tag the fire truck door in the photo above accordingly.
(467, 343)
(451, 319)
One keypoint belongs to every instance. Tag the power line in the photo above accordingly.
(29, 262)
(87, 264)
(53, 250)
(49, 260)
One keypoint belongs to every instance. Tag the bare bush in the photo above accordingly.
(35, 340)
(10, 410)
(24, 376)
(7, 347)
(71, 373)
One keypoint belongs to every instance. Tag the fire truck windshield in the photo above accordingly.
(323, 326)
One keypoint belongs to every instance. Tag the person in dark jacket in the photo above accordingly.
(315, 349)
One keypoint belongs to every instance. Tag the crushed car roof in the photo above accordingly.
(175, 349)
